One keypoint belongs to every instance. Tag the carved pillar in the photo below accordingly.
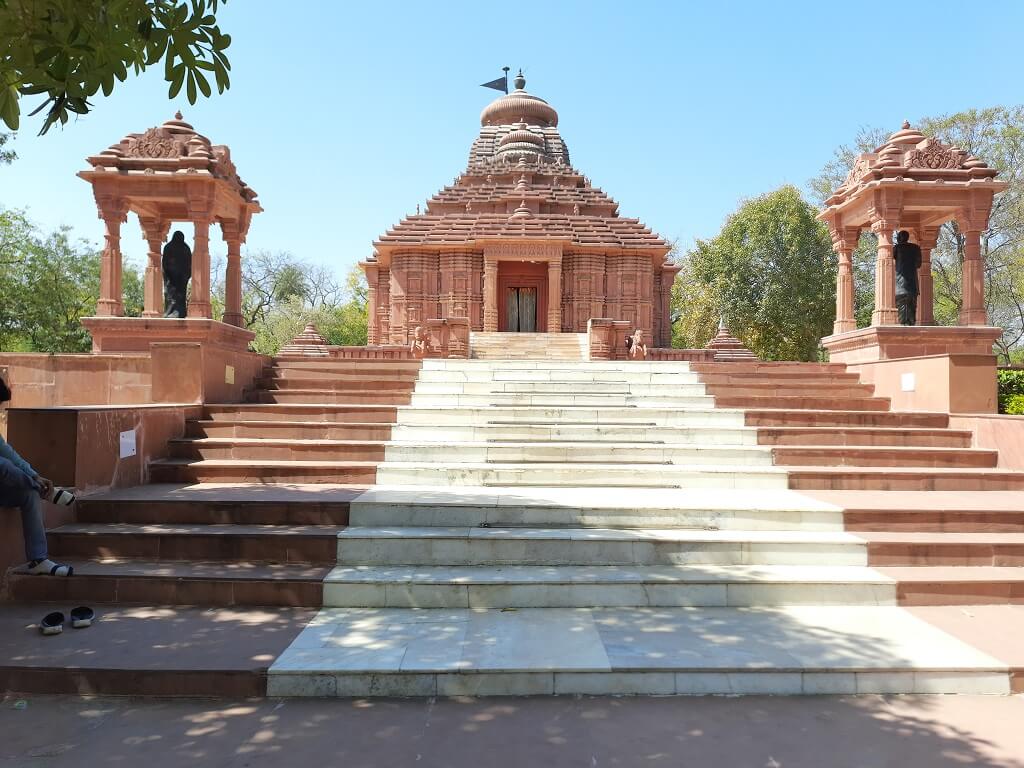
(114, 212)
(555, 296)
(972, 310)
(926, 298)
(372, 321)
(199, 298)
(885, 276)
(490, 294)
(233, 275)
(845, 245)
(668, 277)
(154, 232)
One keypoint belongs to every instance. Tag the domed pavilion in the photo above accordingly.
(521, 241)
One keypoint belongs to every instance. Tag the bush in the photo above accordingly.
(1011, 390)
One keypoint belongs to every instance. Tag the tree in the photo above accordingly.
(68, 50)
(995, 135)
(7, 156)
(47, 283)
(770, 273)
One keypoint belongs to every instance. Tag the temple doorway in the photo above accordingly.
(522, 296)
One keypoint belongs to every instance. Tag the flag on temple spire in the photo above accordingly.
(501, 84)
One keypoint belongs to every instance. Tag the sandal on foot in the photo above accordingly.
(52, 623)
(49, 568)
(82, 617)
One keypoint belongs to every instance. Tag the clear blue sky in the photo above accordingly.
(344, 116)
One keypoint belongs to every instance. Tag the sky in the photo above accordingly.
(343, 116)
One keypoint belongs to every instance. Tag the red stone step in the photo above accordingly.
(250, 543)
(327, 412)
(797, 403)
(339, 384)
(339, 375)
(952, 585)
(961, 549)
(899, 479)
(167, 583)
(359, 367)
(320, 504)
(934, 521)
(890, 436)
(265, 471)
(768, 367)
(828, 417)
(289, 430)
(328, 397)
(883, 456)
(784, 389)
(258, 449)
(147, 650)
(791, 378)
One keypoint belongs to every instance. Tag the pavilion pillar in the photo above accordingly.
(845, 321)
(233, 275)
(114, 212)
(199, 298)
(372, 321)
(926, 293)
(490, 294)
(972, 309)
(885, 276)
(555, 296)
(154, 232)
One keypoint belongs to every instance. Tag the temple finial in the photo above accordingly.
(906, 124)
(177, 115)
(520, 81)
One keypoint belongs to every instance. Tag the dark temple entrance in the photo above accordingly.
(522, 296)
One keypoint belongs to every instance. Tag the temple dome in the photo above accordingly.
(519, 106)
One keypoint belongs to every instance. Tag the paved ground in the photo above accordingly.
(752, 732)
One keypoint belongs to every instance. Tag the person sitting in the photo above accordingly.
(636, 349)
(420, 344)
(24, 488)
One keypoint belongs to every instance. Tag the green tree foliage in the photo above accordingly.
(7, 156)
(281, 293)
(770, 273)
(1011, 391)
(68, 50)
(996, 135)
(48, 282)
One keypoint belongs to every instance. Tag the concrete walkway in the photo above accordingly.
(749, 732)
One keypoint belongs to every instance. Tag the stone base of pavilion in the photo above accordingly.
(137, 334)
(950, 369)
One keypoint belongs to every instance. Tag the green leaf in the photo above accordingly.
(204, 86)
(191, 88)
(176, 81)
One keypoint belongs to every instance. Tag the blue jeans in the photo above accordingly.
(19, 490)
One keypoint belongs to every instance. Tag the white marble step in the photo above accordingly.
(591, 475)
(713, 509)
(579, 433)
(558, 388)
(556, 399)
(594, 546)
(585, 376)
(585, 365)
(536, 452)
(567, 414)
(793, 650)
(586, 586)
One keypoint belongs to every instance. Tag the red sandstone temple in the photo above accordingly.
(520, 242)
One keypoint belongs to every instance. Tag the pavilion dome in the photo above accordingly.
(519, 106)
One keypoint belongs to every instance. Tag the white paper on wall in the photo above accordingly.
(127, 444)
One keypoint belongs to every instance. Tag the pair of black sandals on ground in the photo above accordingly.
(53, 623)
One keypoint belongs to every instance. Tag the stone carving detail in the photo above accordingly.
(934, 155)
(155, 143)
(858, 172)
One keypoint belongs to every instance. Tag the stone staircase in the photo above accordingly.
(615, 527)
(246, 510)
(528, 346)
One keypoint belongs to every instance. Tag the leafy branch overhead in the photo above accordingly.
(66, 51)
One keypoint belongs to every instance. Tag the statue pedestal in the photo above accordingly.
(136, 334)
(949, 369)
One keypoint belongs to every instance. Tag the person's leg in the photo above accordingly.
(18, 490)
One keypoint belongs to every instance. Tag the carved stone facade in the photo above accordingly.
(519, 231)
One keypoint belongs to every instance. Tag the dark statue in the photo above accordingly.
(908, 260)
(177, 266)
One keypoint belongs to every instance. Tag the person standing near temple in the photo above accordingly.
(908, 261)
(177, 267)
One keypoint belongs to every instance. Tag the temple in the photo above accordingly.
(521, 241)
